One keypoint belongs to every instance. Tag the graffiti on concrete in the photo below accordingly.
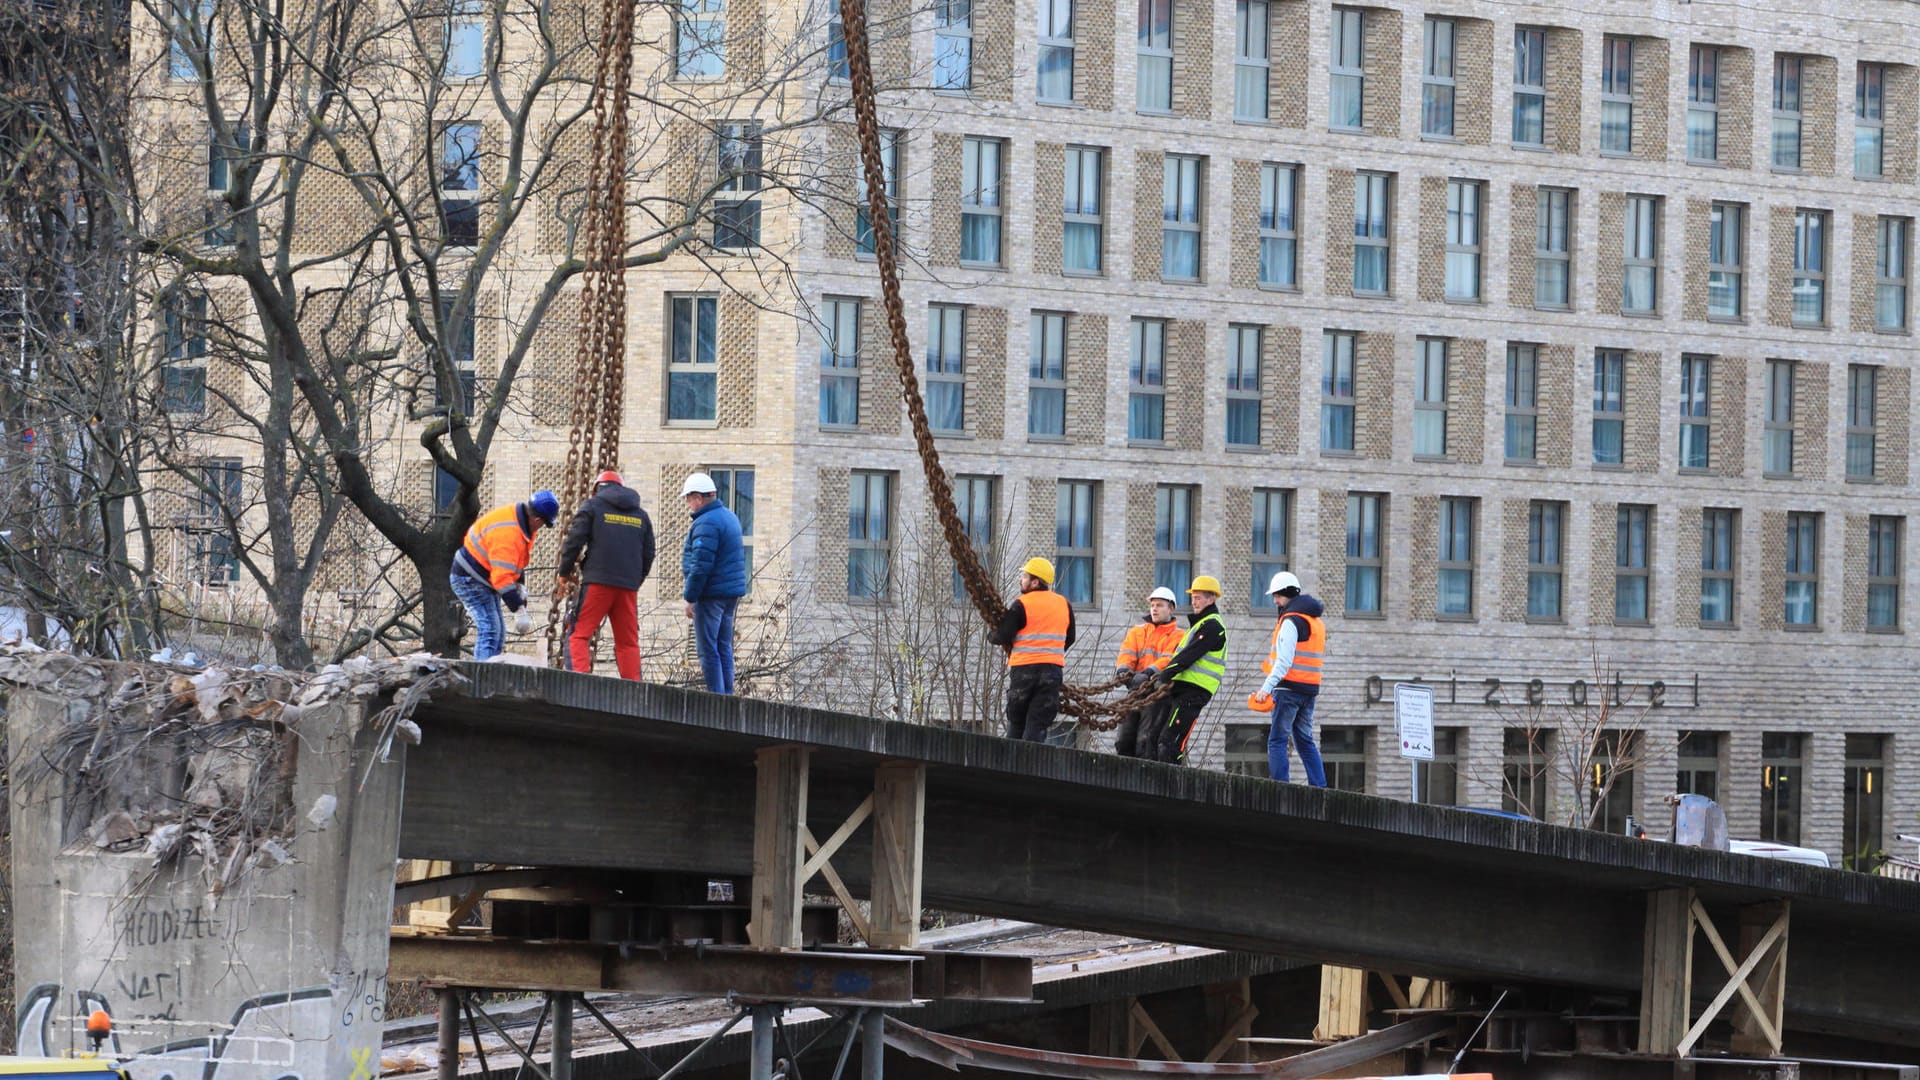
(266, 1028)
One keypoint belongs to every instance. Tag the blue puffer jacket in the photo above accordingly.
(714, 561)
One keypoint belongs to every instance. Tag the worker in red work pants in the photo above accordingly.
(610, 544)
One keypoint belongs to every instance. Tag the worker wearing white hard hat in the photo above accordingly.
(1145, 650)
(714, 563)
(1293, 666)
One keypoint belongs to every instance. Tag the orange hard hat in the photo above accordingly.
(1254, 703)
(608, 477)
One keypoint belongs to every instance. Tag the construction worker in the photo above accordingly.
(1293, 678)
(610, 543)
(714, 562)
(1195, 670)
(488, 568)
(1145, 650)
(1036, 631)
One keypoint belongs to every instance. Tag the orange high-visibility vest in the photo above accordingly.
(497, 546)
(1308, 653)
(1148, 646)
(1044, 639)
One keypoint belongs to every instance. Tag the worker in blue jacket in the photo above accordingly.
(715, 566)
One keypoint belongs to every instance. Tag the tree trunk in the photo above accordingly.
(442, 618)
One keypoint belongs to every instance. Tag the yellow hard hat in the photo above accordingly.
(1039, 568)
(1205, 583)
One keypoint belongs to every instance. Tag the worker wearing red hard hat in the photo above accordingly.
(610, 545)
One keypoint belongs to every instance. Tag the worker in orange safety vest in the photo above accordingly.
(1145, 650)
(488, 568)
(1036, 631)
(1293, 667)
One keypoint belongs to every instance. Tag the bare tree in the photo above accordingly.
(1572, 758)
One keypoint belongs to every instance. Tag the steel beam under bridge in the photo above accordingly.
(544, 768)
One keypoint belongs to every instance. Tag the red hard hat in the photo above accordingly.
(608, 477)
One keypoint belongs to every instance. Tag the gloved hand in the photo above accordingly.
(1164, 675)
(523, 622)
(514, 597)
(1125, 675)
(1145, 678)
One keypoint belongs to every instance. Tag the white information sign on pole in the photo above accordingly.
(1413, 716)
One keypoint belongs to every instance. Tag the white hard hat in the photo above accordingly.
(698, 484)
(1163, 593)
(1282, 580)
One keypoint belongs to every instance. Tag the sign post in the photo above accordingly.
(1413, 719)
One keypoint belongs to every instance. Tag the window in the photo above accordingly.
(1146, 380)
(693, 358)
(1610, 796)
(839, 363)
(457, 335)
(864, 237)
(1609, 406)
(1777, 442)
(1343, 750)
(1463, 239)
(1726, 260)
(1372, 237)
(1180, 203)
(1153, 92)
(183, 378)
(1862, 382)
(974, 497)
(220, 505)
(1890, 274)
(1529, 86)
(1454, 585)
(1279, 231)
(1430, 399)
(1719, 540)
(1437, 782)
(1703, 104)
(1336, 391)
(1081, 243)
(1781, 767)
(1803, 570)
(1699, 764)
(225, 150)
(1809, 268)
(736, 215)
(1523, 402)
(700, 40)
(1616, 95)
(1525, 769)
(1640, 278)
(980, 201)
(1553, 248)
(1696, 383)
(1869, 122)
(1047, 376)
(1245, 750)
(1883, 572)
(466, 39)
(946, 386)
(1436, 80)
(1075, 528)
(1347, 74)
(1546, 562)
(1863, 809)
(1632, 562)
(1272, 525)
(734, 488)
(1250, 60)
(193, 27)
(869, 535)
(1173, 536)
(1243, 385)
(1056, 51)
(460, 184)
(1366, 514)
(446, 490)
(837, 69)
(953, 44)
(1786, 111)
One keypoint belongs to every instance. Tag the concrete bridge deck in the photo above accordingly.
(537, 767)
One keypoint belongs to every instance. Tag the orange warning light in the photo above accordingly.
(99, 1025)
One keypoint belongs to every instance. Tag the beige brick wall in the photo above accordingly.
(1610, 252)
(1602, 555)
(566, 181)
(1554, 440)
(1193, 61)
(1810, 410)
(1523, 223)
(1043, 503)
(1244, 260)
(1280, 381)
(1643, 443)
(1819, 104)
(838, 183)
(1564, 89)
(1736, 109)
(1293, 67)
(1513, 560)
(1330, 552)
(986, 372)
(1138, 554)
(1693, 277)
(739, 356)
(1727, 413)
(1186, 383)
(1865, 240)
(1093, 55)
(1780, 265)
(890, 23)
(1380, 104)
(1473, 81)
(1376, 364)
(1432, 253)
(745, 40)
(1650, 65)
(1466, 400)
(881, 404)
(943, 211)
(994, 44)
(1853, 580)
(1086, 379)
(671, 525)
(1234, 511)
(1339, 276)
(1893, 411)
(1686, 570)
(830, 523)
(1902, 117)
(1423, 543)
(1149, 193)
(1770, 599)
(1049, 185)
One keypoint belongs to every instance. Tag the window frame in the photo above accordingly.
(1432, 376)
(945, 364)
(1610, 403)
(1437, 86)
(1153, 49)
(221, 503)
(1703, 99)
(1526, 771)
(1282, 230)
(1172, 564)
(1695, 757)
(1332, 402)
(1246, 347)
(1184, 171)
(1861, 844)
(834, 358)
(1521, 356)
(1053, 43)
(1450, 559)
(1870, 115)
(1068, 504)
(1696, 411)
(1633, 533)
(1073, 204)
(1638, 258)
(866, 239)
(1781, 800)
(465, 22)
(1545, 216)
(708, 368)
(1616, 92)
(1348, 27)
(976, 496)
(1885, 280)
(1247, 61)
(1777, 418)
(1363, 556)
(1147, 379)
(952, 46)
(740, 155)
(1886, 553)
(1447, 756)
(1270, 548)
(729, 490)
(1373, 191)
(1529, 58)
(1547, 557)
(1729, 275)
(862, 482)
(1811, 230)
(459, 207)
(1789, 105)
(1802, 549)
(983, 201)
(182, 54)
(1862, 421)
(183, 352)
(705, 14)
(1466, 238)
(1040, 340)
(1717, 524)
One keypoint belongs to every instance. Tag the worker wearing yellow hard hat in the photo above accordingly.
(1196, 669)
(1036, 632)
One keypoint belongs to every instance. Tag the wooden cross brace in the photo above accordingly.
(1758, 979)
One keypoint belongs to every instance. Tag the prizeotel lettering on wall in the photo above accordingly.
(1503, 691)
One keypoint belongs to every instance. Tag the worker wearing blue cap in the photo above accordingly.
(488, 568)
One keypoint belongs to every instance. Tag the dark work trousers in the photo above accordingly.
(1033, 697)
(1139, 732)
(1181, 708)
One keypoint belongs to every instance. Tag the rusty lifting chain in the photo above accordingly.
(599, 364)
(1080, 702)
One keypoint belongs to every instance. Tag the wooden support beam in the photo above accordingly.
(1737, 979)
(899, 832)
(1666, 971)
(1238, 1027)
(1107, 1029)
(779, 821)
(840, 891)
(1343, 1003)
(817, 859)
(1153, 1032)
(1395, 994)
(1759, 1032)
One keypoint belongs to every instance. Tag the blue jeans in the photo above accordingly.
(490, 627)
(713, 639)
(1293, 719)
